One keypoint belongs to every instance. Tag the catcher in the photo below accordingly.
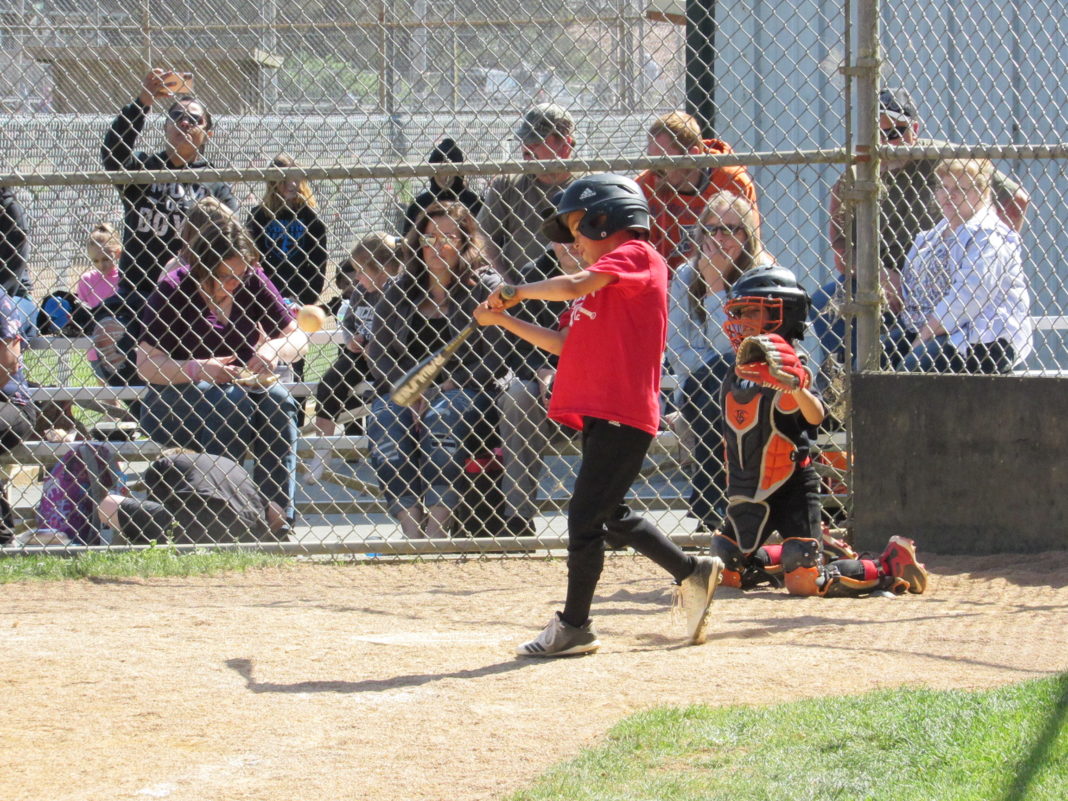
(770, 416)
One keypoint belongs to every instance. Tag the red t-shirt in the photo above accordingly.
(610, 364)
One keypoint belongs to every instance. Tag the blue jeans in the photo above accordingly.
(419, 459)
(228, 420)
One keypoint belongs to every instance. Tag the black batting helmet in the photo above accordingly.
(774, 289)
(611, 202)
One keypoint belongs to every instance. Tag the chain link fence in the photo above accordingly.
(380, 109)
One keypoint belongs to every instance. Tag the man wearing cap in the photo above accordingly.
(677, 197)
(906, 207)
(511, 215)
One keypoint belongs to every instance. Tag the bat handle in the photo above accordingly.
(507, 291)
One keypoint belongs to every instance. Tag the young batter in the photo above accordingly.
(611, 346)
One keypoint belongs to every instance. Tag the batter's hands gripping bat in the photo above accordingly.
(414, 383)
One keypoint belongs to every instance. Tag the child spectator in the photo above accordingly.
(769, 423)
(101, 281)
(611, 347)
(372, 264)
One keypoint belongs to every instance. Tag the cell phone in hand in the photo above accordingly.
(177, 83)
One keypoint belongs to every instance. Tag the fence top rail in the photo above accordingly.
(350, 171)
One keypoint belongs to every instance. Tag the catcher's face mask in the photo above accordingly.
(749, 316)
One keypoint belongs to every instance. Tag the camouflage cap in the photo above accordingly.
(542, 121)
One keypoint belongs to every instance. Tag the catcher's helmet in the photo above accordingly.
(784, 303)
(611, 202)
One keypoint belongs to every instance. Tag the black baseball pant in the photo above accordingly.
(612, 455)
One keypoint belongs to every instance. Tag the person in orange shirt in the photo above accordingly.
(677, 198)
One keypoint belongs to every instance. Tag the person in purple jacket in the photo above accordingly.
(213, 333)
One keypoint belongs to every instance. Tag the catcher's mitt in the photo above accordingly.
(769, 360)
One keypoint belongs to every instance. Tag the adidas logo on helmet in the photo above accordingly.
(587, 193)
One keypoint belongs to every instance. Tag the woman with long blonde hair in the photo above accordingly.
(291, 237)
(727, 244)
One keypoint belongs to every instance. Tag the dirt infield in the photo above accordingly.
(397, 681)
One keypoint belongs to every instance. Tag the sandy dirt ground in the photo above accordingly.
(397, 681)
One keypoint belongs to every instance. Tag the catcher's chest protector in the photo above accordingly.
(766, 439)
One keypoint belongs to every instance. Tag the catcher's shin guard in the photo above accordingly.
(899, 561)
(802, 566)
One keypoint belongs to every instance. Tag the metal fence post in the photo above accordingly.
(701, 62)
(866, 188)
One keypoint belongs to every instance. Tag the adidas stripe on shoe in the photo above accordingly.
(559, 638)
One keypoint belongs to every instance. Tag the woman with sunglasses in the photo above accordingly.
(214, 332)
(699, 353)
(153, 214)
(416, 451)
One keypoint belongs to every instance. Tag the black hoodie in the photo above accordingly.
(153, 213)
(14, 245)
(445, 151)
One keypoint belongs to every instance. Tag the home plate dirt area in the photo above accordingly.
(398, 680)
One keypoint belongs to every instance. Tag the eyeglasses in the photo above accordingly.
(720, 230)
(180, 117)
(894, 133)
(438, 240)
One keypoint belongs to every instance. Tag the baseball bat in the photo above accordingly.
(415, 382)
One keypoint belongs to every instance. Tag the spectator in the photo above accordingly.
(773, 487)
(415, 450)
(194, 497)
(442, 188)
(372, 263)
(677, 197)
(515, 205)
(154, 213)
(907, 206)
(524, 401)
(699, 351)
(17, 412)
(966, 299)
(291, 237)
(214, 332)
(14, 260)
(101, 281)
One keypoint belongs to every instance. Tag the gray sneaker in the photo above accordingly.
(561, 639)
(697, 591)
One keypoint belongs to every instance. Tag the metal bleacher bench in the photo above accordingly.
(42, 452)
(142, 449)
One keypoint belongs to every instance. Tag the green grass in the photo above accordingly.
(1009, 744)
(160, 561)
